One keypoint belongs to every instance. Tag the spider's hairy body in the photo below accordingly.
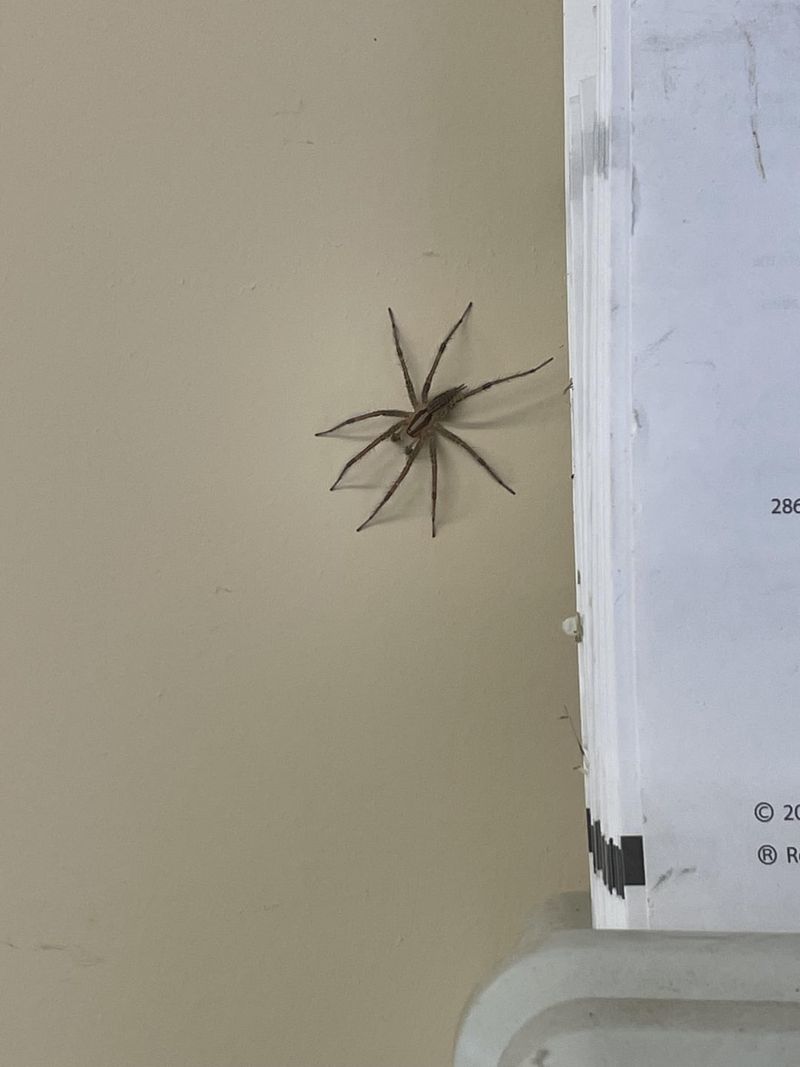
(437, 407)
(424, 423)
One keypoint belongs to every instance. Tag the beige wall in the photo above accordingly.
(275, 793)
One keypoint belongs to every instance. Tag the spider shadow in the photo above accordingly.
(460, 491)
(378, 469)
(412, 501)
(500, 414)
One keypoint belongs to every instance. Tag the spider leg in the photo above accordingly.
(499, 381)
(434, 480)
(360, 455)
(475, 455)
(360, 418)
(412, 394)
(393, 486)
(440, 352)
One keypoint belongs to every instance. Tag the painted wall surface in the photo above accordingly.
(273, 792)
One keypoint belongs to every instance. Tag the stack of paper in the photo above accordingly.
(683, 173)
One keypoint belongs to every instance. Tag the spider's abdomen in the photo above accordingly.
(435, 408)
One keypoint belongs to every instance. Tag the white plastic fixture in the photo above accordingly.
(614, 998)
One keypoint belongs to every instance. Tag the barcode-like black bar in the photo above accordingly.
(633, 859)
(618, 864)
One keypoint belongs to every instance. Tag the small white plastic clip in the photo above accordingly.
(573, 627)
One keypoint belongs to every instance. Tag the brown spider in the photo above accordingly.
(424, 422)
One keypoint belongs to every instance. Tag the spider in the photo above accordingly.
(424, 423)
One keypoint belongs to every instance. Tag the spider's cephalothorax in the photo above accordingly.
(426, 417)
(424, 423)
